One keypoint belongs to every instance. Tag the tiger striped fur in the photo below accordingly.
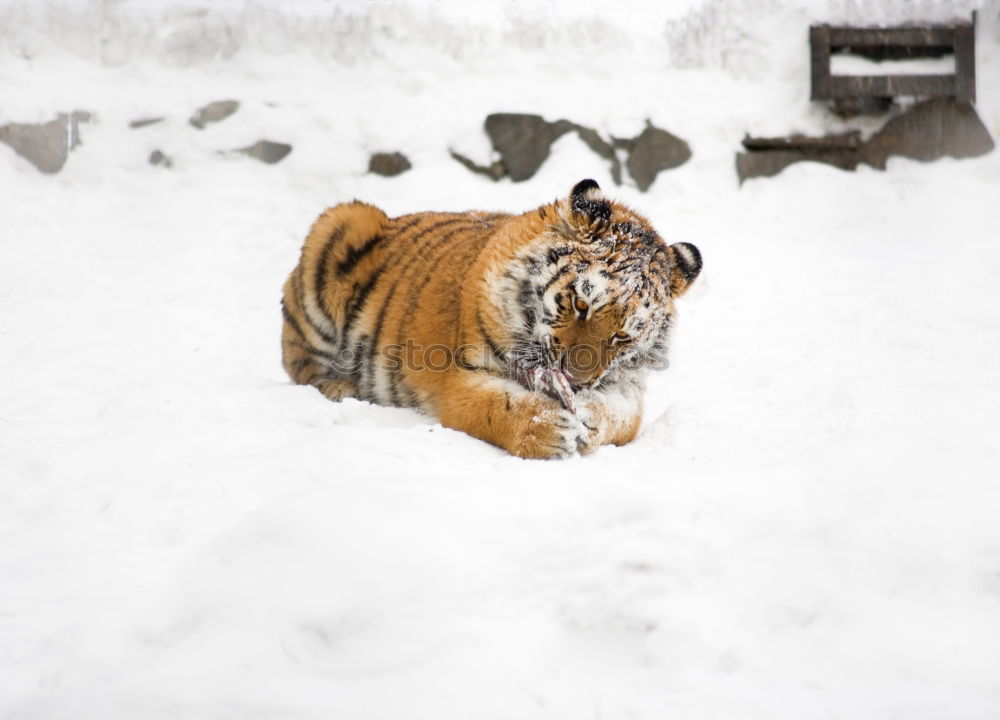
(532, 332)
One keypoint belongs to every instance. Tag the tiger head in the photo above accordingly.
(595, 290)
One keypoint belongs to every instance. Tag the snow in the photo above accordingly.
(806, 526)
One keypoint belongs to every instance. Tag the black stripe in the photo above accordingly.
(400, 234)
(302, 363)
(490, 342)
(297, 283)
(362, 343)
(300, 299)
(559, 273)
(327, 337)
(460, 362)
(312, 350)
(355, 254)
(292, 322)
(583, 186)
(689, 267)
(319, 282)
(557, 252)
(359, 295)
(524, 298)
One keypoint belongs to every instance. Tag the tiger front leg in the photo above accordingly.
(501, 412)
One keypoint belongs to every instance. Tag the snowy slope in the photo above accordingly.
(806, 527)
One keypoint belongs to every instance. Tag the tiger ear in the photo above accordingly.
(685, 267)
(587, 199)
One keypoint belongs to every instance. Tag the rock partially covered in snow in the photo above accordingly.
(45, 145)
(388, 164)
(267, 151)
(652, 152)
(157, 157)
(145, 122)
(930, 130)
(523, 141)
(494, 171)
(214, 112)
(592, 139)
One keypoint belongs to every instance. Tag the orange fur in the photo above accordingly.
(449, 313)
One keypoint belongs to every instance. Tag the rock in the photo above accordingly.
(45, 145)
(930, 130)
(388, 164)
(653, 151)
(602, 147)
(267, 151)
(495, 171)
(75, 118)
(523, 141)
(158, 158)
(214, 112)
(144, 122)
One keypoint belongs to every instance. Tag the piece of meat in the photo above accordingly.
(551, 381)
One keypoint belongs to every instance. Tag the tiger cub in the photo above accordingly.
(532, 332)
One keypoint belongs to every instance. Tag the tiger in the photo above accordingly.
(532, 332)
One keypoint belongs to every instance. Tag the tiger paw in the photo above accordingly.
(590, 437)
(551, 432)
(337, 389)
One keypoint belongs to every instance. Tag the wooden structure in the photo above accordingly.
(893, 43)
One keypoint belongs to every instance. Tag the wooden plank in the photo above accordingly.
(892, 85)
(840, 142)
(819, 45)
(913, 36)
(965, 64)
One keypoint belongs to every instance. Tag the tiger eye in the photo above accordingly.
(580, 304)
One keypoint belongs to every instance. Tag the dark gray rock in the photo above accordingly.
(75, 118)
(158, 158)
(388, 164)
(652, 152)
(494, 171)
(592, 139)
(45, 145)
(930, 130)
(214, 112)
(523, 141)
(145, 122)
(267, 151)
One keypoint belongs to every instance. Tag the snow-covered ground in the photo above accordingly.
(807, 526)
